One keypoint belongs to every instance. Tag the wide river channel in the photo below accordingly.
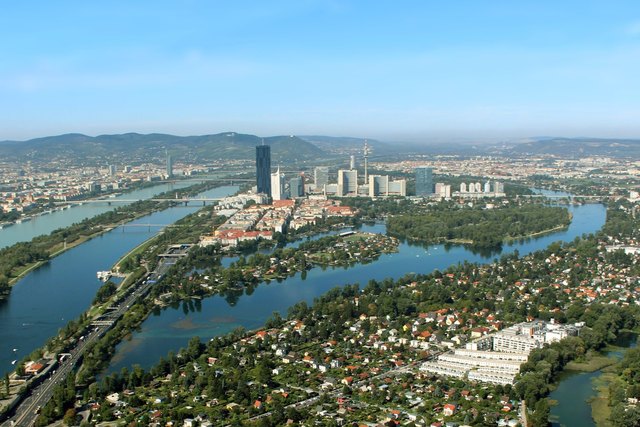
(171, 328)
(47, 298)
(45, 224)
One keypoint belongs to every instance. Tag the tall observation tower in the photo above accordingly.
(366, 151)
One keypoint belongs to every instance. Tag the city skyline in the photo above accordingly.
(416, 73)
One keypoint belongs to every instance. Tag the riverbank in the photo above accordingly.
(57, 250)
(24, 258)
(593, 362)
(585, 387)
(540, 233)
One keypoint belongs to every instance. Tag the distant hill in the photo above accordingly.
(578, 147)
(143, 147)
(346, 144)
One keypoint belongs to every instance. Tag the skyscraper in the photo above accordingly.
(263, 169)
(278, 189)
(321, 177)
(378, 185)
(296, 186)
(424, 181)
(348, 182)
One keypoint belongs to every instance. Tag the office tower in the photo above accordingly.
(112, 170)
(263, 169)
(487, 187)
(424, 181)
(169, 166)
(398, 188)
(347, 182)
(498, 187)
(352, 162)
(278, 189)
(378, 185)
(321, 177)
(296, 186)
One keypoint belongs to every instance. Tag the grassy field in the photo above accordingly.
(594, 362)
(600, 409)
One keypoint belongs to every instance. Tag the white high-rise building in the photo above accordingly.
(278, 189)
(348, 182)
(443, 190)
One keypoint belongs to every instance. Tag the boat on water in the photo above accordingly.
(14, 362)
(104, 275)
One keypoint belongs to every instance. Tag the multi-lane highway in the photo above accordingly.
(27, 411)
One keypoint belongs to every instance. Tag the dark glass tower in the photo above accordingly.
(263, 169)
(424, 181)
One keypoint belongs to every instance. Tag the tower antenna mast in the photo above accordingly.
(366, 151)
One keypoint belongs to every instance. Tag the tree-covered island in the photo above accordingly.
(478, 226)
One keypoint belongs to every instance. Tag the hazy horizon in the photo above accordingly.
(416, 72)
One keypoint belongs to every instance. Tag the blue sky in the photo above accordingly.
(402, 70)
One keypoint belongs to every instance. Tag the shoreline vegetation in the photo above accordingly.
(102, 351)
(24, 257)
(479, 228)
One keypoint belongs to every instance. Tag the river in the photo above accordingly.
(45, 224)
(171, 328)
(47, 298)
(576, 389)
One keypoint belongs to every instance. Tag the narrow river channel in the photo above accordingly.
(576, 389)
(47, 298)
(171, 328)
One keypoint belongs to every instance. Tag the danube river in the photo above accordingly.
(47, 298)
(171, 328)
(45, 224)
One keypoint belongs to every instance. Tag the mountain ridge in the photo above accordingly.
(221, 146)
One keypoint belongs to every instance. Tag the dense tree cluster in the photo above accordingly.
(482, 228)
(624, 390)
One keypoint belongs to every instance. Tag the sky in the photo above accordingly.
(393, 70)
